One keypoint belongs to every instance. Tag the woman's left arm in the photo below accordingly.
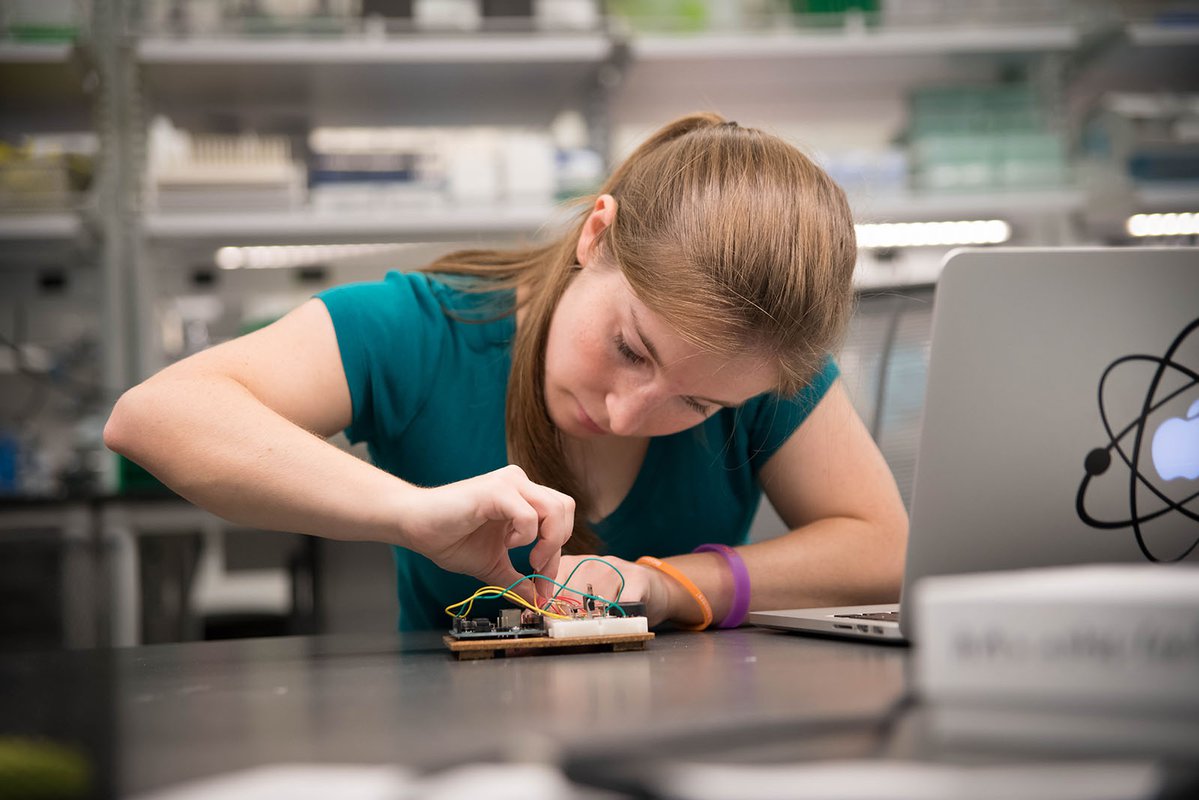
(832, 488)
(846, 546)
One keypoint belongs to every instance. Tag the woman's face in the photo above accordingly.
(614, 368)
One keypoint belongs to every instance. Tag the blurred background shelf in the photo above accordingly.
(863, 43)
(39, 226)
(413, 49)
(426, 80)
(965, 205)
(417, 225)
(1149, 35)
(311, 226)
(1183, 196)
(34, 52)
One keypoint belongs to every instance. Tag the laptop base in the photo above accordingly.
(839, 621)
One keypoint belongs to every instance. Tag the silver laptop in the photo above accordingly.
(1061, 421)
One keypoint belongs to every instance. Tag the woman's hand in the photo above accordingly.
(469, 526)
(641, 584)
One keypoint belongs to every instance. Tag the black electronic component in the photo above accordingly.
(512, 623)
(477, 625)
(631, 609)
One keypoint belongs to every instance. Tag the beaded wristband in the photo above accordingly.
(704, 606)
(740, 607)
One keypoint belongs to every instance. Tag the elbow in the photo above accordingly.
(120, 431)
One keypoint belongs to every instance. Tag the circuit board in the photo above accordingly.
(523, 631)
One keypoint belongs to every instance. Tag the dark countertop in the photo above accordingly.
(156, 716)
(183, 711)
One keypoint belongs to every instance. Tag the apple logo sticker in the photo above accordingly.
(1173, 449)
(1176, 447)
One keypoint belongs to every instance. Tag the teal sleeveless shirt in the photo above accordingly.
(428, 391)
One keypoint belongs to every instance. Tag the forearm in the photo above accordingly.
(833, 561)
(213, 442)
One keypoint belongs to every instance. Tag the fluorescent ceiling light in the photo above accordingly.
(277, 255)
(932, 234)
(1186, 224)
(870, 236)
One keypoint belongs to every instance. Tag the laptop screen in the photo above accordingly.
(1061, 420)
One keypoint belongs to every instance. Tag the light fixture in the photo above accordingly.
(1184, 224)
(932, 234)
(299, 255)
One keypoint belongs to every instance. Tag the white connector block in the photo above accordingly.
(595, 626)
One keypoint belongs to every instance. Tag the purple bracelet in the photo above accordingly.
(740, 605)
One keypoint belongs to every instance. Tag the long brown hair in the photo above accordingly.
(734, 237)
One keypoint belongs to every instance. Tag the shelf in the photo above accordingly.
(946, 206)
(34, 53)
(477, 49)
(1147, 35)
(42, 88)
(45, 226)
(494, 79)
(1182, 197)
(403, 225)
(313, 227)
(866, 43)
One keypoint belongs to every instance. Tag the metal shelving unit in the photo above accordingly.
(355, 77)
(360, 77)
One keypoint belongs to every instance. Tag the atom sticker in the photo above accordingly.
(1173, 449)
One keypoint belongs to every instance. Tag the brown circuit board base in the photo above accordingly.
(472, 649)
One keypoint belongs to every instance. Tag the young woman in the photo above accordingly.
(629, 389)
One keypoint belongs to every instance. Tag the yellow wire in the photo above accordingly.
(498, 591)
(489, 592)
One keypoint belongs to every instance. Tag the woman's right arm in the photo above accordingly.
(240, 429)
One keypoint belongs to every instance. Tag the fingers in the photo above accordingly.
(533, 513)
(554, 514)
(506, 575)
(523, 518)
(557, 522)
